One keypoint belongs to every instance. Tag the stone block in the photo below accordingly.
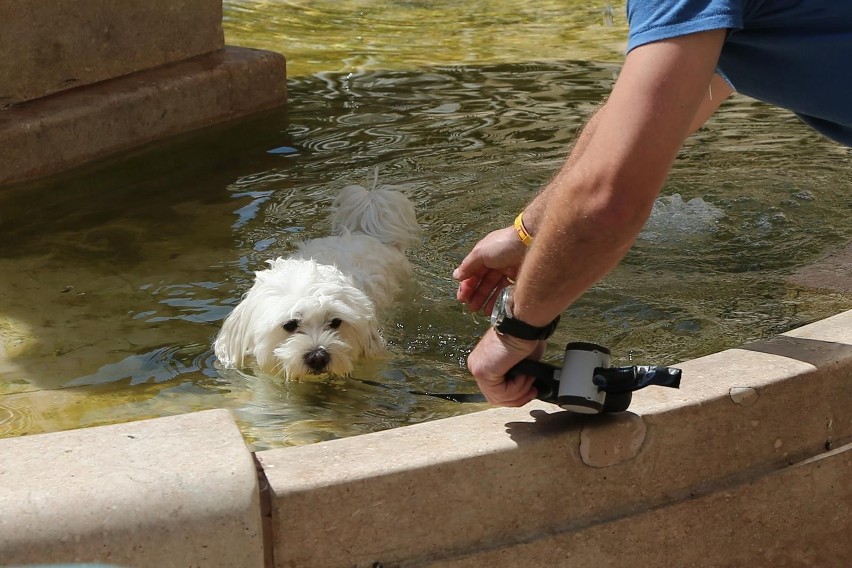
(177, 491)
(55, 133)
(798, 516)
(51, 46)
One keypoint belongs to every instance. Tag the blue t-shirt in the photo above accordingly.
(795, 54)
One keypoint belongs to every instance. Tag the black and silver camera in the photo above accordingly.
(587, 384)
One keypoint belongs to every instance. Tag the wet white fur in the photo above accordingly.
(350, 276)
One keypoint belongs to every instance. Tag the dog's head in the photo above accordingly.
(300, 318)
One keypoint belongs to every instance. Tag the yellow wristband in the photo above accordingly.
(525, 237)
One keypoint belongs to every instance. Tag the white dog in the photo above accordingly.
(315, 312)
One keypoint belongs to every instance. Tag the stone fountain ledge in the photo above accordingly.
(67, 129)
(87, 79)
(746, 465)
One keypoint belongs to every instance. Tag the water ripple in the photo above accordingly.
(15, 419)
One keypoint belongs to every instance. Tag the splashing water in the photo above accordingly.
(673, 219)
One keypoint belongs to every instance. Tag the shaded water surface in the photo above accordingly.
(116, 278)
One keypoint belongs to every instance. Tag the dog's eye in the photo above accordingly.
(335, 323)
(291, 326)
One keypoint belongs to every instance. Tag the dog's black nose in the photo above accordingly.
(317, 359)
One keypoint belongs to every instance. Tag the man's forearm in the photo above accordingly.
(717, 92)
(569, 233)
(581, 244)
(534, 211)
(574, 249)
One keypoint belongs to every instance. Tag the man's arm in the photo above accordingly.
(499, 255)
(597, 205)
(589, 215)
(717, 92)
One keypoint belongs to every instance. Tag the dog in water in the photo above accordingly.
(316, 312)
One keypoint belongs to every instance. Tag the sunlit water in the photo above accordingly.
(116, 278)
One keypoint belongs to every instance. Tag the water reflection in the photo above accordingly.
(366, 35)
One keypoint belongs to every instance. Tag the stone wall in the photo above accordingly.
(85, 79)
(54, 45)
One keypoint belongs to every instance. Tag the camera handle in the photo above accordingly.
(617, 382)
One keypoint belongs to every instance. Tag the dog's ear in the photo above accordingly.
(235, 339)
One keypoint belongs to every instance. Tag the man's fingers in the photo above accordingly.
(467, 288)
(516, 392)
(480, 291)
(488, 305)
(485, 292)
(471, 266)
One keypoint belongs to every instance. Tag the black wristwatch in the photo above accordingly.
(503, 322)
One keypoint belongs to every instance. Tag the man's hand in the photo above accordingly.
(492, 358)
(488, 267)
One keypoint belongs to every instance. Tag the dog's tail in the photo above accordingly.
(381, 212)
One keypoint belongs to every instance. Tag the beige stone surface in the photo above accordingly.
(49, 135)
(798, 516)
(50, 46)
(613, 439)
(177, 491)
(457, 488)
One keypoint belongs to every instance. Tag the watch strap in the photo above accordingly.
(523, 330)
